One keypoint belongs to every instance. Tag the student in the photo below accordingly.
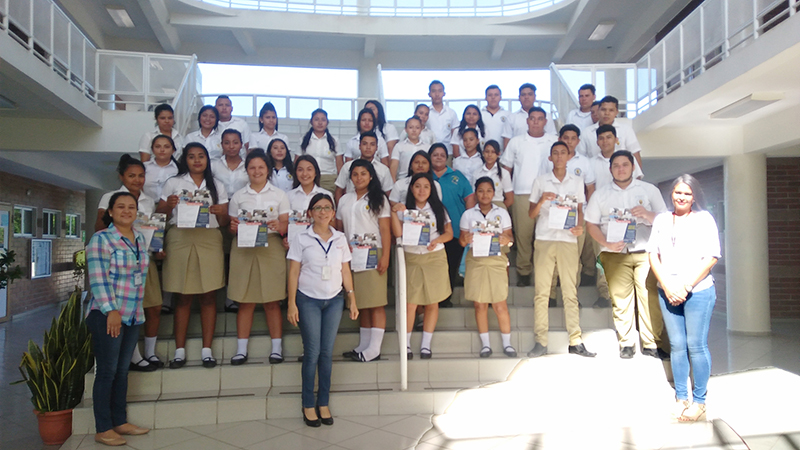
(523, 158)
(160, 167)
(426, 136)
(209, 133)
(116, 265)
(632, 285)
(280, 163)
(626, 138)
(471, 119)
(384, 129)
(486, 279)
(595, 111)
(426, 265)
(517, 125)
(420, 163)
(493, 115)
(194, 264)
(442, 120)
(582, 116)
(607, 142)
(368, 146)
(470, 158)
(408, 146)
(365, 211)
(500, 176)
(320, 144)
(258, 274)
(132, 175)
(230, 170)
(319, 265)
(365, 122)
(227, 121)
(556, 248)
(267, 129)
(306, 183)
(165, 121)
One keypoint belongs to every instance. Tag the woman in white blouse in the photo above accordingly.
(165, 123)
(319, 143)
(209, 133)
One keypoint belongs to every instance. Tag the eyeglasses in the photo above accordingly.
(322, 208)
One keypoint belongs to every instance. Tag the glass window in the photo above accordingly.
(73, 226)
(51, 223)
(24, 221)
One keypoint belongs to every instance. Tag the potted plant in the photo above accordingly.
(55, 372)
(8, 273)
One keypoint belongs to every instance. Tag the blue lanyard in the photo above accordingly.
(125, 240)
(326, 250)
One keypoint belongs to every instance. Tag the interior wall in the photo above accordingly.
(783, 215)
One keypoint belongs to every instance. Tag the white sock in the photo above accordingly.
(277, 346)
(136, 356)
(426, 341)
(506, 339)
(150, 346)
(375, 341)
(363, 339)
(485, 339)
(241, 346)
(206, 353)
(180, 353)
(408, 339)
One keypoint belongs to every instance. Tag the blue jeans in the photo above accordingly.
(319, 323)
(112, 357)
(687, 326)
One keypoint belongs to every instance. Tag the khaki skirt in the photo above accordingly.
(258, 275)
(370, 287)
(195, 262)
(427, 278)
(152, 286)
(486, 280)
(328, 182)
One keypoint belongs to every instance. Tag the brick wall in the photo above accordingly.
(783, 213)
(26, 294)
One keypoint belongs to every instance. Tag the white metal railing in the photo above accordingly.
(618, 80)
(400, 308)
(47, 33)
(394, 8)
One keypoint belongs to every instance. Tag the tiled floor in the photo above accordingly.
(459, 429)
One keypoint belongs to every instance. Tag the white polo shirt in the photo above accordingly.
(282, 179)
(309, 250)
(442, 123)
(580, 119)
(321, 151)
(474, 214)
(400, 190)
(638, 193)
(146, 204)
(403, 152)
(524, 154)
(155, 176)
(383, 172)
(176, 184)
(423, 249)
(426, 137)
(232, 179)
(261, 139)
(237, 123)
(467, 165)
(517, 125)
(270, 199)
(601, 167)
(626, 139)
(298, 199)
(212, 143)
(501, 186)
(353, 151)
(146, 142)
(570, 185)
(578, 165)
(358, 219)
(389, 133)
(494, 123)
(455, 139)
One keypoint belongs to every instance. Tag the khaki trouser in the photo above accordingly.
(523, 231)
(581, 240)
(546, 255)
(633, 288)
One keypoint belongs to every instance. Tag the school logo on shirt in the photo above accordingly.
(503, 119)
(366, 207)
(271, 209)
(497, 218)
(640, 201)
(454, 180)
(578, 171)
(288, 176)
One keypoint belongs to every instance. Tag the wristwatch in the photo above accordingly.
(688, 288)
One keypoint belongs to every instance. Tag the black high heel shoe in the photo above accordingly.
(312, 423)
(325, 421)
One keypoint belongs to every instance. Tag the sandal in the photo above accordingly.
(209, 362)
(154, 361)
(510, 351)
(275, 358)
(680, 407)
(486, 352)
(694, 413)
(238, 359)
(110, 438)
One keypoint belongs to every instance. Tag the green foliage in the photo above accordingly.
(8, 273)
(55, 372)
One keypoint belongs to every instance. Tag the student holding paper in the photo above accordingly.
(556, 203)
(487, 228)
(364, 215)
(258, 269)
(306, 186)
(619, 217)
(424, 225)
(194, 265)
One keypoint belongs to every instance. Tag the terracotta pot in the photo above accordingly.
(54, 427)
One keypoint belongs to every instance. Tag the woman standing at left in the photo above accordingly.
(194, 264)
(117, 263)
(165, 122)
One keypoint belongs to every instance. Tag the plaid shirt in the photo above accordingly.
(112, 264)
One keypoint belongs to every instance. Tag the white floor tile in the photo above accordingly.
(386, 440)
(378, 421)
(341, 430)
(290, 441)
(201, 443)
(412, 427)
(247, 433)
(158, 439)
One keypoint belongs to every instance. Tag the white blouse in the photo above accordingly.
(309, 249)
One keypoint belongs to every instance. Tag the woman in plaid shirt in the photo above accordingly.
(117, 262)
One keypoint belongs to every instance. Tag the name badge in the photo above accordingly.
(326, 272)
(137, 279)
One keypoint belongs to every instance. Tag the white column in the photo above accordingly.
(367, 80)
(746, 248)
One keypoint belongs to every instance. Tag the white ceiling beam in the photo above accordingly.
(157, 16)
(369, 46)
(497, 49)
(584, 13)
(245, 41)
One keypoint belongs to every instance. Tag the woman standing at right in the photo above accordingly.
(683, 247)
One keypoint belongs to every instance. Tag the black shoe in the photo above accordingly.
(580, 350)
(166, 310)
(627, 352)
(663, 355)
(446, 303)
(177, 363)
(424, 354)
(552, 303)
(238, 359)
(523, 280)
(588, 280)
(409, 354)
(154, 361)
(486, 352)
(312, 423)
(350, 354)
(234, 308)
(209, 363)
(602, 303)
(137, 367)
(359, 357)
(650, 352)
(510, 351)
(275, 358)
(300, 358)
(328, 421)
(537, 351)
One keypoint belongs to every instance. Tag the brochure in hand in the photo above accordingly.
(563, 213)
(252, 228)
(365, 252)
(298, 222)
(486, 237)
(153, 229)
(417, 227)
(193, 209)
(621, 226)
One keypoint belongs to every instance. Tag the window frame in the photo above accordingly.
(46, 231)
(32, 225)
(78, 224)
